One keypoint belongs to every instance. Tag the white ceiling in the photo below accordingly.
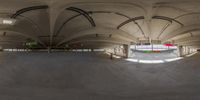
(165, 20)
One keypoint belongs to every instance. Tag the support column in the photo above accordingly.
(92, 50)
(115, 51)
(184, 51)
(49, 49)
(1, 49)
(127, 51)
(188, 50)
(180, 51)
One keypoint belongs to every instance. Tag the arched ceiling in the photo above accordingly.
(99, 23)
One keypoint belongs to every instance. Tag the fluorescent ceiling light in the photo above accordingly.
(7, 21)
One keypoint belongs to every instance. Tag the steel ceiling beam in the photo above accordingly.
(63, 25)
(167, 25)
(133, 20)
(27, 9)
(163, 29)
(84, 13)
(89, 12)
(167, 19)
(130, 20)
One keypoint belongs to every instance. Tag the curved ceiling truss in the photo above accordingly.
(23, 10)
(99, 12)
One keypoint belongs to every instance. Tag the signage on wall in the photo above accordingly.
(168, 44)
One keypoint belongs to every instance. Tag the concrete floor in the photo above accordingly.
(84, 76)
(154, 56)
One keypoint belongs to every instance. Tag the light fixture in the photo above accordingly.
(7, 21)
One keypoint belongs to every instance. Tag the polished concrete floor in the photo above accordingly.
(93, 76)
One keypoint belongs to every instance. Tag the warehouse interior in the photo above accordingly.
(99, 49)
